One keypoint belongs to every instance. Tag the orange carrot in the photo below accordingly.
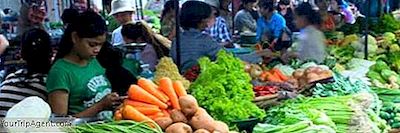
(147, 85)
(167, 87)
(179, 88)
(138, 104)
(147, 110)
(130, 113)
(169, 103)
(155, 116)
(138, 94)
(279, 74)
(163, 94)
(271, 77)
(117, 115)
(166, 113)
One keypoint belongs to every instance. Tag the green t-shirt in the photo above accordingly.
(86, 85)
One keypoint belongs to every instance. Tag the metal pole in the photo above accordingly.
(177, 35)
(366, 30)
(141, 10)
(88, 4)
(137, 10)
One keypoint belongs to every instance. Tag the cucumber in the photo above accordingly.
(396, 125)
(384, 115)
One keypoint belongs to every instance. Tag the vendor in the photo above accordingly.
(195, 17)
(328, 19)
(311, 40)
(244, 21)
(76, 83)
(122, 11)
(270, 26)
(30, 80)
(140, 33)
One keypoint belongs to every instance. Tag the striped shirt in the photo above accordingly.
(219, 31)
(19, 86)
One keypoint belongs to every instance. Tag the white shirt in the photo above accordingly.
(117, 38)
(311, 44)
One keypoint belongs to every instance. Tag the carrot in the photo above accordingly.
(167, 87)
(131, 113)
(137, 93)
(138, 104)
(166, 113)
(279, 74)
(148, 86)
(169, 103)
(179, 88)
(148, 111)
(117, 115)
(271, 77)
(156, 115)
(163, 94)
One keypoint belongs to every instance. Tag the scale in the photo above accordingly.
(133, 50)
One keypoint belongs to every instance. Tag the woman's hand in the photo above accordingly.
(110, 101)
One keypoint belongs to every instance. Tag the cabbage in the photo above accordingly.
(360, 47)
(285, 69)
(389, 37)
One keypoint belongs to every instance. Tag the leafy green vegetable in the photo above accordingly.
(379, 66)
(375, 75)
(342, 86)
(223, 88)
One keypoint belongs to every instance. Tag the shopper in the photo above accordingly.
(244, 21)
(328, 19)
(220, 30)
(76, 83)
(111, 58)
(32, 15)
(122, 11)
(195, 17)
(139, 33)
(311, 40)
(168, 20)
(30, 80)
(285, 8)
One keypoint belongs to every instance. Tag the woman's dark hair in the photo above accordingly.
(139, 30)
(305, 9)
(36, 50)
(168, 7)
(266, 4)
(285, 2)
(193, 13)
(69, 15)
(88, 24)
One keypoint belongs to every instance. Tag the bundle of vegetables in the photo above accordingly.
(394, 59)
(352, 113)
(340, 87)
(300, 127)
(382, 76)
(391, 107)
(357, 69)
(387, 23)
(167, 105)
(224, 89)
(167, 68)
(265, 90)
(147, 101)
(123, 126)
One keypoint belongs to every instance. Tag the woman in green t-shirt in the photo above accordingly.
(76, 83)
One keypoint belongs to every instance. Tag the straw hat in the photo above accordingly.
(214, 3)
(118, 6)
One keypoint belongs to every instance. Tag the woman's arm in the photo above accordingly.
(3, 44)
(58, 101)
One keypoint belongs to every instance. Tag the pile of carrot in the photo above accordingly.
(273, 75)
(147, 101)
(169, 106)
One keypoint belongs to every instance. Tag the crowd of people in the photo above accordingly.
(88, 78)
